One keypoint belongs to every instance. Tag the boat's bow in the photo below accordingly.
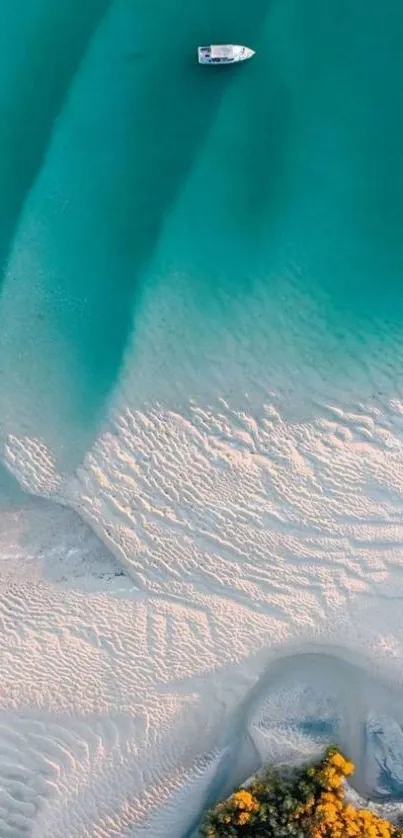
(242, 53)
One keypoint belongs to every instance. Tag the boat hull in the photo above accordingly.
(231, 54)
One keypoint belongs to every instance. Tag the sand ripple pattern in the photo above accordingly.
(263, 583)
(233, 588)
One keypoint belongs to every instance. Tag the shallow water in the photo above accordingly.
(200, 352)
(280, 181)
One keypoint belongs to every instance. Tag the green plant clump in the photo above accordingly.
(307, 802)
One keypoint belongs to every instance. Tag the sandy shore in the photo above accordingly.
(259, 616)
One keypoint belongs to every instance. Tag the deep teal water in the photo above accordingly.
(124, 164)
(262, 203)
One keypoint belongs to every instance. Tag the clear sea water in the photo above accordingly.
(172, 233)
(125, 165)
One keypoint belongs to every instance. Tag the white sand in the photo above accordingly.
(261, 534)
(250, 540)
(250, 489)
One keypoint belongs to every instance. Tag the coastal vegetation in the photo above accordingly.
(307, 802)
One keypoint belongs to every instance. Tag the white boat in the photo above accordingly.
(223, 54)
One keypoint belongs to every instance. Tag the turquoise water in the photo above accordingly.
(124, 165)
(217, 254)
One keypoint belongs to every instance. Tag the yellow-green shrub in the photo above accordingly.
(304, 803)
